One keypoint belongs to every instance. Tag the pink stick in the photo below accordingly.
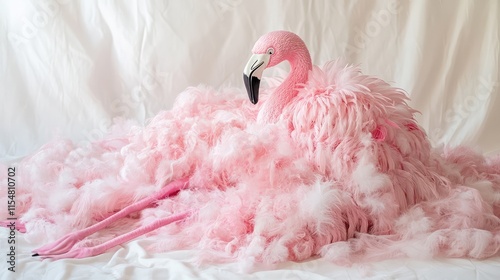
(99, 249)
(65, 243)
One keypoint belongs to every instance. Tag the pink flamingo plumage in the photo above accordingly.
(296, 53)
(377, 172)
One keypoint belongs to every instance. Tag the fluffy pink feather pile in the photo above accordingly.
(367, 186)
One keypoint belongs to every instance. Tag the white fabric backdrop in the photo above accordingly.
(68, 67)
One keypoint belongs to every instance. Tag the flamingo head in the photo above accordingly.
(271, 49)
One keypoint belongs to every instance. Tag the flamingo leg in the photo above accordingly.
(65, 243)
(85, 252)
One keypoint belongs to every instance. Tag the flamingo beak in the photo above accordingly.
(253, 73)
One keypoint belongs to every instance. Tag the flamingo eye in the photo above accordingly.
(270, 51)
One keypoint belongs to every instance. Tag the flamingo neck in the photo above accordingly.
(300, 65)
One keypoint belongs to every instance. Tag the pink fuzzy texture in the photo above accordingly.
(332, 163)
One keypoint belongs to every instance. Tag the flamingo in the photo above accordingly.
(339, 162)
(338, 114)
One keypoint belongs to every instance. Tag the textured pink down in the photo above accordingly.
(330, 163)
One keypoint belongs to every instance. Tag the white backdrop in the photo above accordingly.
(68, 67)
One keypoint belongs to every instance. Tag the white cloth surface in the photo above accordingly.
(132, 261)
(67, 68)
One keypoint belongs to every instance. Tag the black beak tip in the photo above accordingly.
(252, 86)
(35, 255)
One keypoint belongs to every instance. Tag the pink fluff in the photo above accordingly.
(344, 171)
